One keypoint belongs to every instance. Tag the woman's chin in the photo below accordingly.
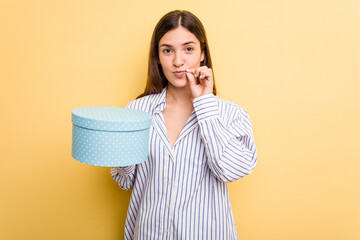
(179, 83)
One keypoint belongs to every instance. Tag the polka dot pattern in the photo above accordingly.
(99, 139)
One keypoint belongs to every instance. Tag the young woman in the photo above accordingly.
(198, 142)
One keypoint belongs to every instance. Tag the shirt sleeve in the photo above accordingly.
(124, 176)
(228, 138)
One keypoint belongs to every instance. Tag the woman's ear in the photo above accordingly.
(202, 58)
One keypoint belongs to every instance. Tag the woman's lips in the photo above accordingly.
(179, 73)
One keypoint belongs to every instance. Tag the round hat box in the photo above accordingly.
(110, 136)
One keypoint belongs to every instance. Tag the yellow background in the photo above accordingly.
(294, 65)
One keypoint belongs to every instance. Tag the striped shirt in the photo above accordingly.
(181, 192)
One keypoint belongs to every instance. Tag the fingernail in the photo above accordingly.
(200, 76)
(195, 74)
(186, 70)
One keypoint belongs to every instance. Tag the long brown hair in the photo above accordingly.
(156, 80)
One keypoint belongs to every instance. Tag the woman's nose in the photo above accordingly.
(178, 60)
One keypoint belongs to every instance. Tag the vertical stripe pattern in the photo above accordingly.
(181, 192)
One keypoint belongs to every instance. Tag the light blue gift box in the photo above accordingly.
(110, 136)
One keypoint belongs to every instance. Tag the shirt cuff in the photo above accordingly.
(206, 107)
(123, 171)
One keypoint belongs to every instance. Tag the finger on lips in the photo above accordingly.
(200, 72)
(190, 72)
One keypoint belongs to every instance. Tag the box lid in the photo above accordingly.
(111, 118)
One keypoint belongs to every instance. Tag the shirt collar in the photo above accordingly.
(160, 101)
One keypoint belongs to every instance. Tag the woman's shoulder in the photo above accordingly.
(229, 106)
(146, 103)
(230, 110)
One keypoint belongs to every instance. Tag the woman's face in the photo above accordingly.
(179, 49)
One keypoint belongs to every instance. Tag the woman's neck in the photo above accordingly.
(179, 95)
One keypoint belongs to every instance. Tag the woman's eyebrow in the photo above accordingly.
(165, 45)
(187, 43)
(168, 45)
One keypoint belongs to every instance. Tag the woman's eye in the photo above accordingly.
(167, 50)
(189, 49)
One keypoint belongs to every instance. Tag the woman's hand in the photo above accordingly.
(200, 80)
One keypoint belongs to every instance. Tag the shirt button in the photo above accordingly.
(167, 206)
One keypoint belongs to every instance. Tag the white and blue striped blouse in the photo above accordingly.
(181, 192)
